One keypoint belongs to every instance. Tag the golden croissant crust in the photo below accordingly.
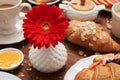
(90, 35)
(97, 71)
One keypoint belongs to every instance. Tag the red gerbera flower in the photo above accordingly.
(44, 25)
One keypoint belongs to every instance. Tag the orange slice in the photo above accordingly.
(97, 2)
(105, 3)
(110, 2)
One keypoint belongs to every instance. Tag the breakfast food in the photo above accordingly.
(107, 3)
(107, 68)
(6, 61)
(86, 6)
(43, 1)
(90, 35)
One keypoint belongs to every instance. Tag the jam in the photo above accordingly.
(117, 61)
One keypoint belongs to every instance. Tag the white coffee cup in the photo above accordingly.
(10, 15)
(116, 20)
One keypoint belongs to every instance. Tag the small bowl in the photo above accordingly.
(16, 65)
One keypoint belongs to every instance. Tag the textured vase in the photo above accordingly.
(48, 59)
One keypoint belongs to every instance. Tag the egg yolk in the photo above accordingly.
(9, 59)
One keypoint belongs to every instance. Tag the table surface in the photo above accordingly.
(26, 72)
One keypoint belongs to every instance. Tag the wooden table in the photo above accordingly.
(26, 72)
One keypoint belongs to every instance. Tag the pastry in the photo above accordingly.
(98, 71)
(90, 35)
(43, 1)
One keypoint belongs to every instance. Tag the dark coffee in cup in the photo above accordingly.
(6, 5)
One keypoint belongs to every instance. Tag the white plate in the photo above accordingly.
(14, 37)
(8, 76)
(78, 66)
(49, 3)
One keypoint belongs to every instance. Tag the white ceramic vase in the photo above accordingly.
(48, 60)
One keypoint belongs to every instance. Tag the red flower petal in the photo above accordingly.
(47, 41)
(42, 44)
(44, 8)
(35, 37)
(28, 21)
(61, 19)
(55, 12)
(59, 37)
(29, 26)
(36, 10)
(32, 16)
(39, 40)
(52, 37)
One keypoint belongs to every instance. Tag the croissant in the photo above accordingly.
(90, 35)
(96, 71)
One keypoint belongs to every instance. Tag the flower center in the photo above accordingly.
(46, 26)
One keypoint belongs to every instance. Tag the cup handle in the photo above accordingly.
(100, 7)
(66, 2)
(24, 5)
(63, 6)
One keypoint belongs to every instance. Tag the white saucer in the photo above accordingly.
(49, 3)
(14, 37)
(8, 76)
